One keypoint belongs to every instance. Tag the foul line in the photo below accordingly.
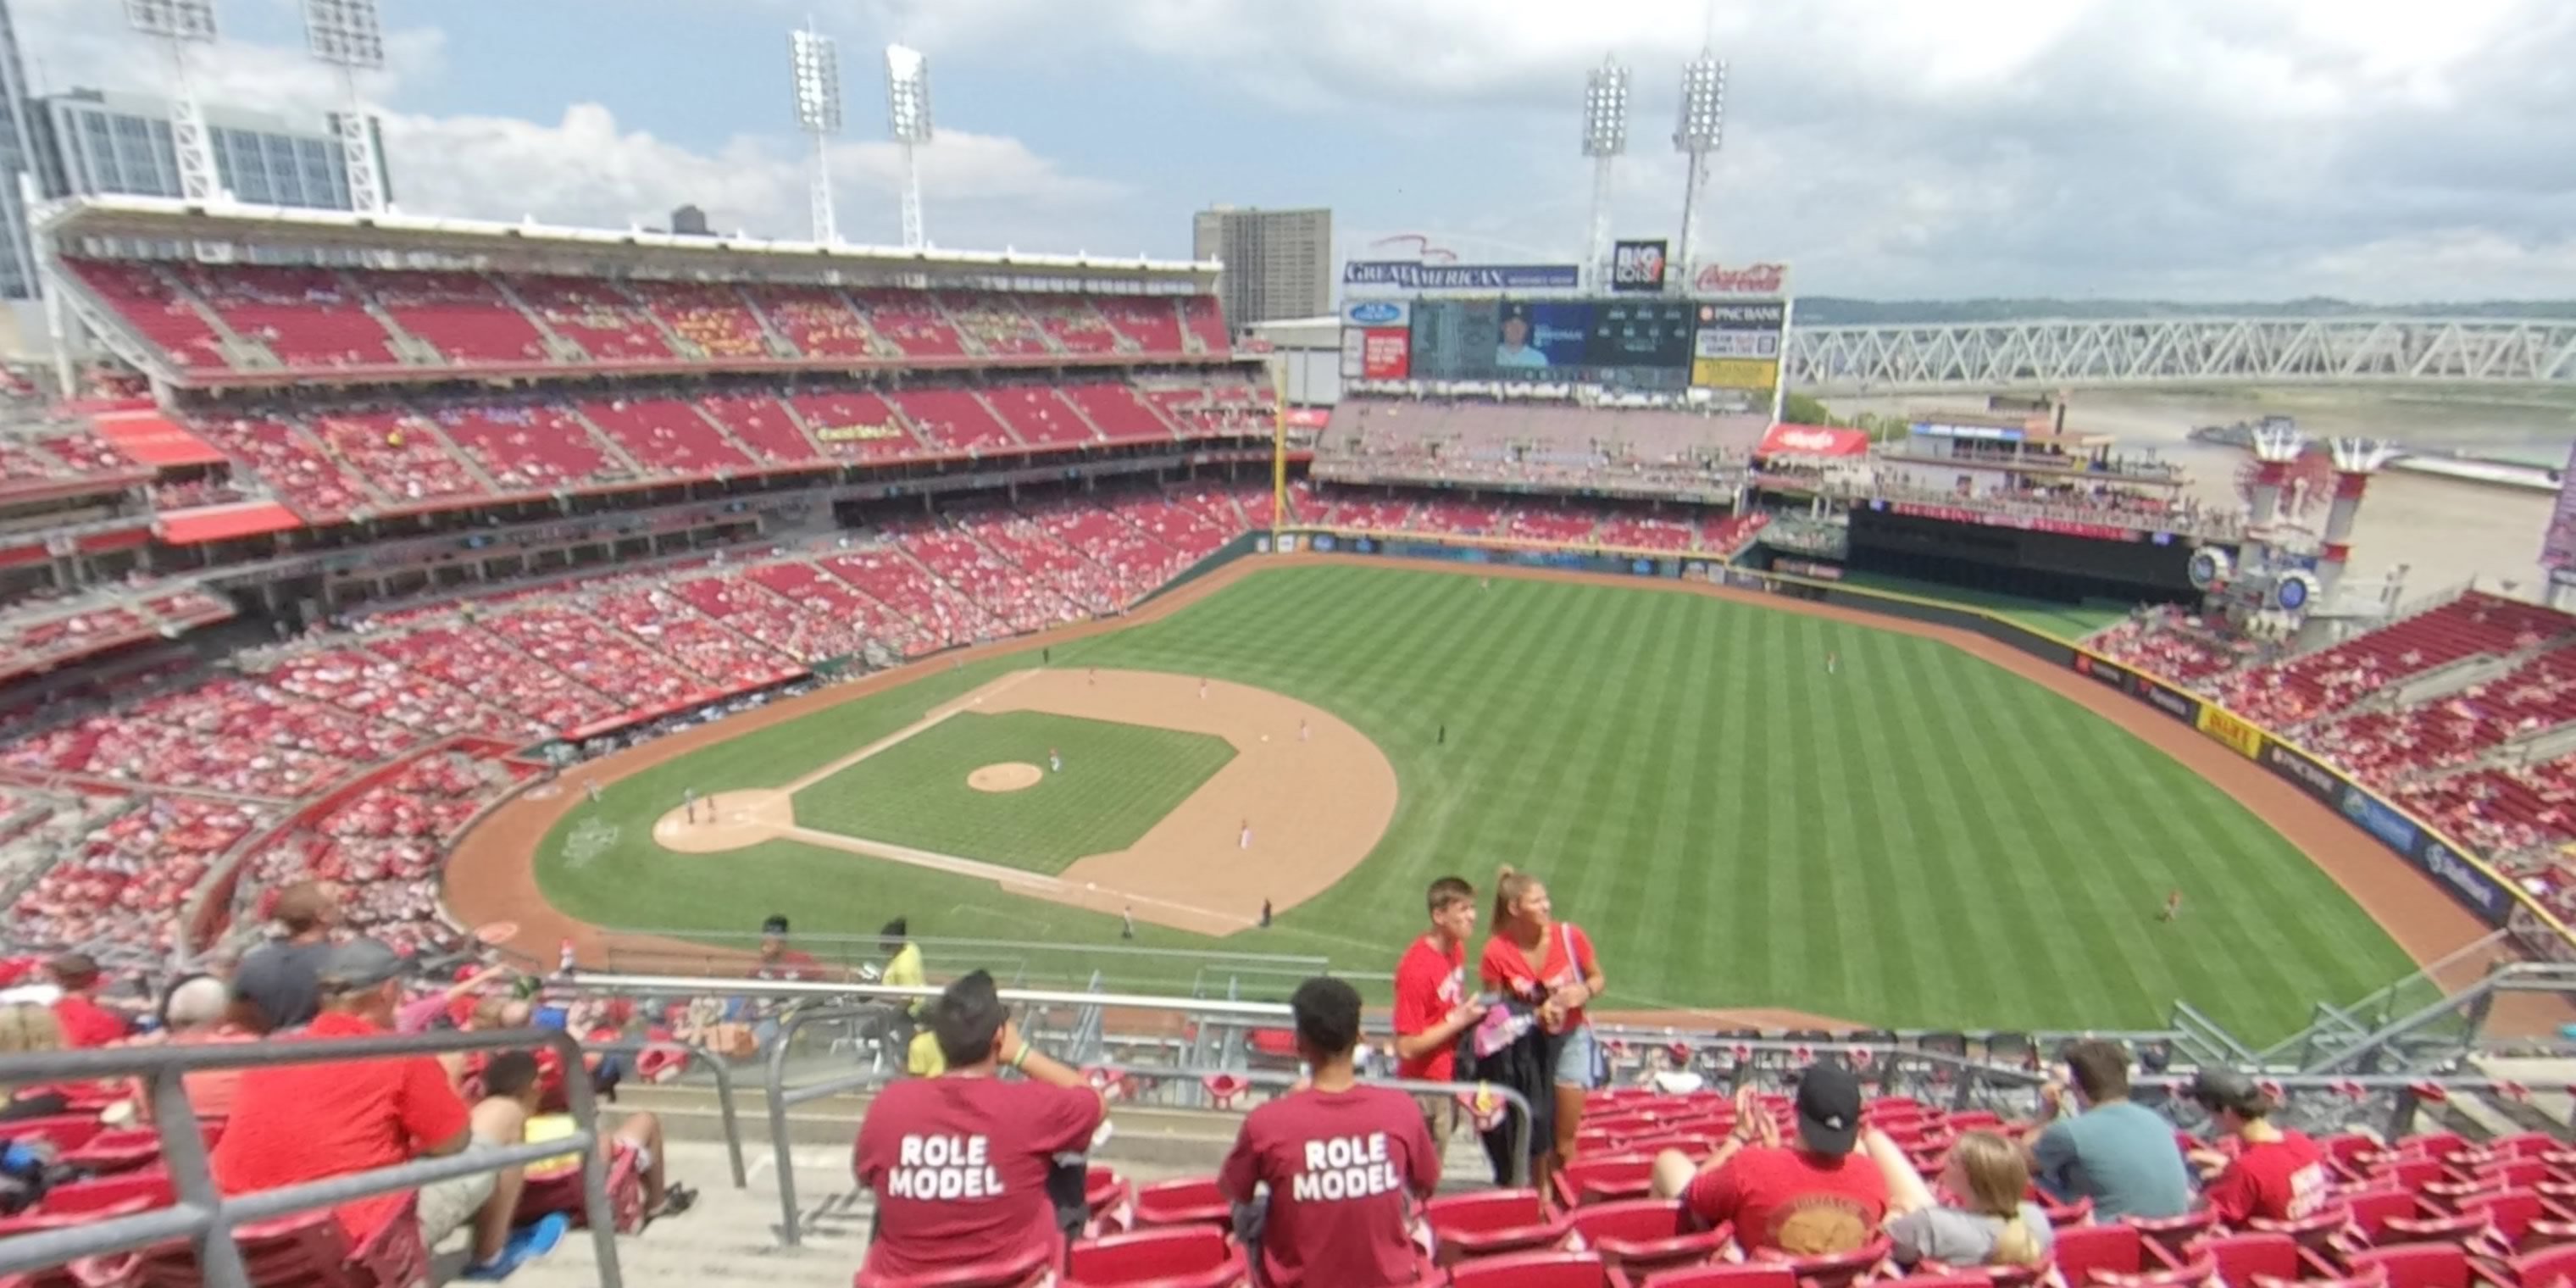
(1000, 874)
(965, 701)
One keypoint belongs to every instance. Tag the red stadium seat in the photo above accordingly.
(306, 1250)
(1747, 1275)
(1830, 1270)
(2088, 1250)
(1188, 1202)
(1175, 1257)
(2418, 1265)
(2547, 1268)
(1533, 1270)
(2240, 1258)
(2171, 1235)
(1637, 1236)
(1493, 1223)
(1604, 1179)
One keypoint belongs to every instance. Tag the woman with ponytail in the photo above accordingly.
(1548, 964)
(1991, 1223)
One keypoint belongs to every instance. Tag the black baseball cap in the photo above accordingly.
(1828, 1109)
(2217, 1089)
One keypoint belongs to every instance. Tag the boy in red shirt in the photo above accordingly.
(959, 1162)
(1343, 1163)
(1820, 1197)
(1432, 1006)
(85, 1023)
(2276, 1174)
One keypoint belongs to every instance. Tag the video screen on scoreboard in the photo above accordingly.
(1626, 344)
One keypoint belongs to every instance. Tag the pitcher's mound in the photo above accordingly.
(1009, 776)
(726, 821)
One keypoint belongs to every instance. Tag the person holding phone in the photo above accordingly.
(961, 1163)
(2104, 1146)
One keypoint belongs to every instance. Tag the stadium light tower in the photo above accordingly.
(178, 24)
(816, 60)
(908, 118)
(349, 35)
(1605, 137)
(1702, 131)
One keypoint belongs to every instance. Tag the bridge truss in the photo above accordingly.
(2182, 352)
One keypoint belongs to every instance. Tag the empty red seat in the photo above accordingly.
(306, 1250)
(1195, 1256)
(1832, 1269)
(2519, 1221)
(1189, 1202)
(1492, 1224)
(2242, 1257)
(1641, 1235)
(2088, 1250)
(1533, 1270)
(1604, 1179)
(2173, 1234)
(2547, 1268)
(1748, 1275)
(2417, 1265)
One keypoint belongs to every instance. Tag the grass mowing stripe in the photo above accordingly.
(1924, 839)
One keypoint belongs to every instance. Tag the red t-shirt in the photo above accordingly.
(959, 1165)
(2278, 1180)
(1341, 1167)
(85, 1023)
(303, 1122)
(1793, 1201)
(1507, 969)
(1429, 984)
(791, 964)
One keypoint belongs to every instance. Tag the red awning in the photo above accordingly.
(225, 522)
(156, 442)
(1812, 440)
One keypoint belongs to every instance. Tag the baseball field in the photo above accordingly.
(1920, 835)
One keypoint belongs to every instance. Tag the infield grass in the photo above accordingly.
(1118, 781)
(1923, 840)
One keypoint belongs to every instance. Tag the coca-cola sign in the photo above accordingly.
(1750, 279)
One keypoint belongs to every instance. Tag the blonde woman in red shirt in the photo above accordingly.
(1538, 960)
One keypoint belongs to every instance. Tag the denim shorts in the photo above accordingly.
(1578, 1059)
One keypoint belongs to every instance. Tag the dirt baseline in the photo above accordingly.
(492, 874)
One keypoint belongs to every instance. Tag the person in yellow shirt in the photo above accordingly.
(903, 968)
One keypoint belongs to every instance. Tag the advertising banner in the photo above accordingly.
(2381, 820)
(1386, 354)
(1411, 275)
(1735, 373)
(2224, 728)
(1812, 440)
(2108, 673)
(1637, 266)
(1309, 418)
(2558, 548)
(1354, 352)
(1377, 313)
(855, 433)
(1744, 279)
(1736, 344)
(2305, 774)
(2172, 701)
(2468, 882)
(1808, 568)
(2024, 522)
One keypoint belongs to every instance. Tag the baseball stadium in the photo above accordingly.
(724, 650)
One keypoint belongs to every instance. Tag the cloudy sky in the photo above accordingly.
(2197, 149)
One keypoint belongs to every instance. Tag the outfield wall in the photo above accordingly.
(2487, 894)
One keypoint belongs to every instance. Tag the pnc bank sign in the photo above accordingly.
(1748, 279)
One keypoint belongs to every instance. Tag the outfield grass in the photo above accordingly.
(2065, 621)
(1118, 781)
(1923, 840)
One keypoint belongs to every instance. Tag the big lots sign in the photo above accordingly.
(1750, 279)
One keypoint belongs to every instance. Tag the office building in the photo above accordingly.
(94, 143)
(689, 221)
(17, 152)
(1278, 263)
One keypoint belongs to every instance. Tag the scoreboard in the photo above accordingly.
(1632, 343)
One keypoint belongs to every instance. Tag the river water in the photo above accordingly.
(2443, 531)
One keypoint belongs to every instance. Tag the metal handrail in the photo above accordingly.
(209, 1221)
(782, 1097)
(724, 1089)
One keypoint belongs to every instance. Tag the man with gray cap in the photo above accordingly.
(1815, 1198)
(305, 1122)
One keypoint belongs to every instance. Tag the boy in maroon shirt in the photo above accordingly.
(1343, 1163)
(959, 1162)
(2276, 1174)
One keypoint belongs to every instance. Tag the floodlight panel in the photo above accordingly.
(907, 94)
(176, 19)
(347, 32)
(1703, 114)
(816, 61)
(1605, 111)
